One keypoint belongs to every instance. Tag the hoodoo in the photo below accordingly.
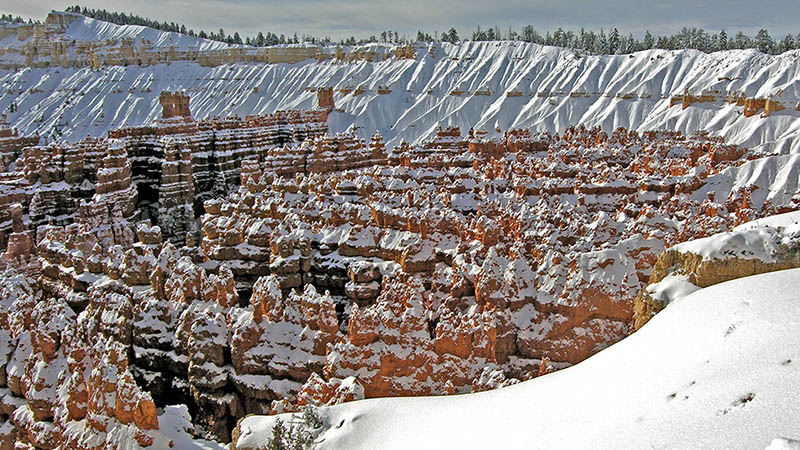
(261, 242)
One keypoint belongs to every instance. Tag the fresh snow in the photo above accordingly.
(717, 369)
(558, 87)
(175, 424)
(763, 239)
(777, 221)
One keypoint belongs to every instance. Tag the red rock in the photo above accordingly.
(145, 413)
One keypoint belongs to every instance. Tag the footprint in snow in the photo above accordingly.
(738, 404)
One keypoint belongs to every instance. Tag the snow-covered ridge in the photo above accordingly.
(763, 239)
(760, 246)
(677, 383)
(88, 29)
(486, 85)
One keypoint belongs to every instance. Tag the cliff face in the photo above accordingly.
(403, 94)
(161, 173)
(72, 40)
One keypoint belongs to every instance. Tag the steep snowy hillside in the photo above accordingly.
(488, 85)
(717, 369)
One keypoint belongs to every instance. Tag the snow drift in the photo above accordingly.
(717, 369)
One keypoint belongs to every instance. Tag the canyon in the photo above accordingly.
(323, 249)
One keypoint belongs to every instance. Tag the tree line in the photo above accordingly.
(601, 43)
(8, 18)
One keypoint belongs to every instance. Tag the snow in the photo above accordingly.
(753, 240)
(717, 369)
(671, 287)
(780, 220)
(82, 101)
(758, 243)
(175, 424)
(784, 444)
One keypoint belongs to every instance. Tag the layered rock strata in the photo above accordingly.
(161, 173)
(338, 270)
(751, 249)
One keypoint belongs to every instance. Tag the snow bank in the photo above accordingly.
(719, 369)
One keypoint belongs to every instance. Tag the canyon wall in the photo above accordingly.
(61, 42)
(161, 173)
(401, 91)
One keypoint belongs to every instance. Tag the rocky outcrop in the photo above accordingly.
(174, 104)
(162, 174)
(751, 249)
(325, 99)
(51, 45)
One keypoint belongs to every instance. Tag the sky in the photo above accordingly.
(362, 18)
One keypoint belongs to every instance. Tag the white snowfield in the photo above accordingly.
(500, 85)
(717, 369)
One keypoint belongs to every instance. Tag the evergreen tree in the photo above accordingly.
(613, 41)
(453, 35)
(601, 45)
(722, 40)
(787, 44)
(763, 41)
(527, 33)
(648, 42)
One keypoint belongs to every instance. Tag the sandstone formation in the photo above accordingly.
(716, 259)
(751, 105)
(324, 268)
(325, 99)
(162, 173)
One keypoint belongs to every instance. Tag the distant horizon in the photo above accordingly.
(362, 19)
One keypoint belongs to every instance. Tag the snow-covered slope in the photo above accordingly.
(717, 369)
(550, 88)
(88, 29)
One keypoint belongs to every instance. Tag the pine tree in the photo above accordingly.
(763, 41)
(648, 41)
(527, 33)
(787, 44)
(601, 45)
(613, 41)
(722, 40)
(453, 35)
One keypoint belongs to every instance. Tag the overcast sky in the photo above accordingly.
(362, 18)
